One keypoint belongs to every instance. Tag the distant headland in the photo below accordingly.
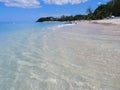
(109, 10)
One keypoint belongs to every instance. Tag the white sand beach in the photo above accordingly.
(108, 21)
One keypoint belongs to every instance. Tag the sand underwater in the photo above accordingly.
(59, 57)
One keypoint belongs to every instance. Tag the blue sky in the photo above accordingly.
(31, 10)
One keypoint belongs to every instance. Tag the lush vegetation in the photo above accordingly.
(62, 18)
(102, 11)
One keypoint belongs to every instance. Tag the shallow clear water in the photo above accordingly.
(40, 56)
(21, 62)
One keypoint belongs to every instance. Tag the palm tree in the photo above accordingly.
(89, 10)
(90, 13)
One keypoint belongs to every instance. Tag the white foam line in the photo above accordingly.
(59, 26)
(64, 25)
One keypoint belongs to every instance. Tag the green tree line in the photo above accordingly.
(102, 11)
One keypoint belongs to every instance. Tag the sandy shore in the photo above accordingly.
(89, 54)
(108, 21)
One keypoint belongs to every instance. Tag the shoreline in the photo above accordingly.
(110, 23)
(114, 21)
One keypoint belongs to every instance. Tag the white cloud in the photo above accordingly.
(21, 3)
(36, 3)
(62, 2)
